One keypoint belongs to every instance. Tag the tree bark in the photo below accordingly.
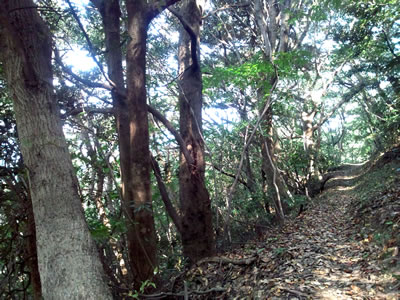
(141, 246)
(136, 188)
(68, 261)
(308, 139)
(272, 20)
(197, 230)
(132, 125)
(31, 251)
(274, 179)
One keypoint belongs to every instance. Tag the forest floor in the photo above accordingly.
(344, 246)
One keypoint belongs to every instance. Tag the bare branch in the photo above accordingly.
(90, 110)
(122, 93)
(192, 34)
(347, 97)
(388, 43)
(86, 82)
(89, 42)
(183, 294)
(299, 42)
(230, 175)
(164, 195)
(250, 139)
(174, 132)
(224, 260)
(226, 7)
(184, 23)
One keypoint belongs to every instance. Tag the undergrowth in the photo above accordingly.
(376, 210)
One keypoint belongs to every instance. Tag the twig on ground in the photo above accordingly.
(182, 294)
(297, 293)
(216, 259)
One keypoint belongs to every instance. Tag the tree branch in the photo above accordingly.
(183, 294)
(90, 110)
(86, 82)
(347, 97)
(223, 260)
(164, 195)
(89, 42)
(174, 132)
(159, 6)
(192, 34)
(391, 48)
(249, 140)
(230, 175)
(225, 7)
(122, 93)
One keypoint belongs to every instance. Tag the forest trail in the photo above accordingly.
(347, 175)
(321, 254)
(324, 257)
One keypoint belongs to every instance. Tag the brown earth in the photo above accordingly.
(344, 246)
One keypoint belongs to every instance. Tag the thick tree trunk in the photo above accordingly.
(68, 261)
(197, 230)
(136, 171)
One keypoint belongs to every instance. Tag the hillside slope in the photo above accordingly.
(344, 246)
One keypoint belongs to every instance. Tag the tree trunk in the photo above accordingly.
(132, 126)
(135, 165)
(272, 19)
(31, 251)
(111, 13)
(279, 191)
(68, 261)
(308, 140)
(197, 230)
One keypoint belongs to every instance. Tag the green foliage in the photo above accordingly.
(100, 232)
(280, 250)
(145, 285)
(365, 34)
(255, 71)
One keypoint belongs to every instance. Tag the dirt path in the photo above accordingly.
(324, 257)
(318, 255)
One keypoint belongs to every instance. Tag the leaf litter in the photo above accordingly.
(318, 255)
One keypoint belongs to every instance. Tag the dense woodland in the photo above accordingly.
(200, 126)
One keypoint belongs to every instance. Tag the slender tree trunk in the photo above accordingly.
(132, 125)
(251, 182)
(136, 188)
(197, 230)
(274, 179)
(308, 140)
(111, 12)
(312, 183)
(272, 19)
(69, 264)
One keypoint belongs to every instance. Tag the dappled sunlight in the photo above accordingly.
(319, 255)
(345, 179)
(261, 121)
(346, 188)
(328, 259)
